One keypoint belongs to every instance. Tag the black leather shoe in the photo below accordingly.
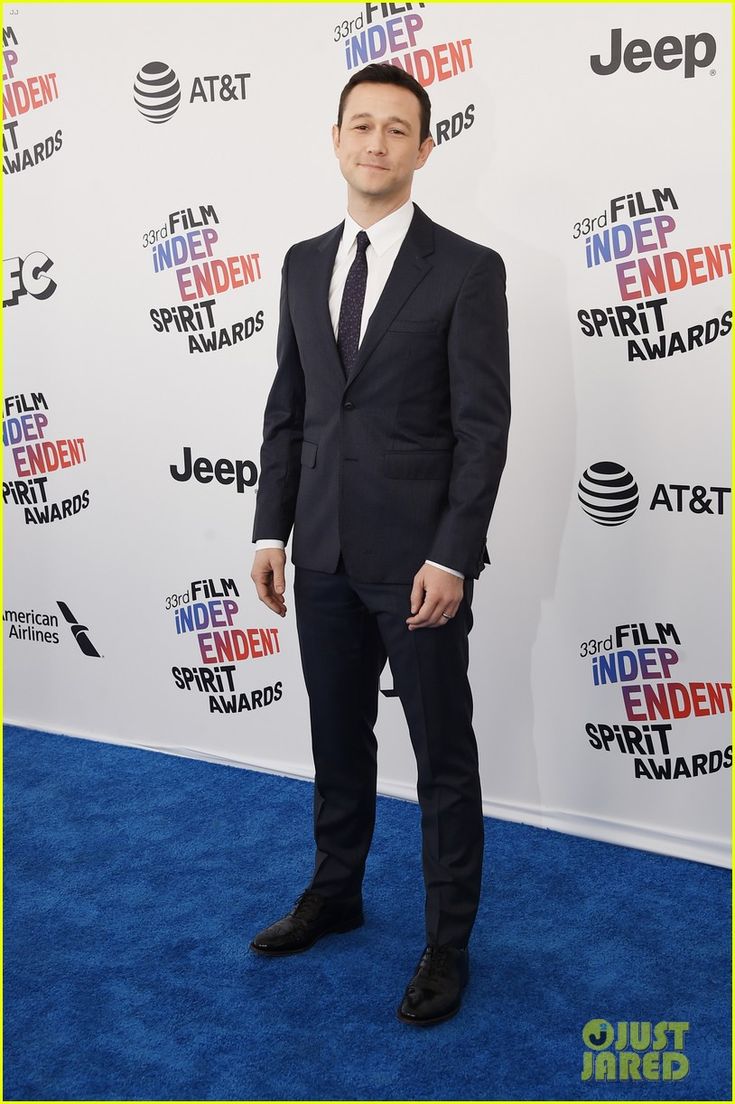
(311, 917)
(434, 992)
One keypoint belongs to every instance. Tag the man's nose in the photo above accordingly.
(377, 143)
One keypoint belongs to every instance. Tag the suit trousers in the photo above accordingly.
(346, 630)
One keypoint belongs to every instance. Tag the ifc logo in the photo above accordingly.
(608, 493)
(157, 92)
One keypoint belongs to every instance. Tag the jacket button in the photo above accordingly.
(348, 405)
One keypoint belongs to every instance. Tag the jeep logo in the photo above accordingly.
(242, 473)
(697, 52)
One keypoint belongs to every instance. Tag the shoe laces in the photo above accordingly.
(307, 906)
(435, 960)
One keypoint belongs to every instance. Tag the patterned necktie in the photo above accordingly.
(350, 311)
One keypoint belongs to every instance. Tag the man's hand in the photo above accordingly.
(269, 577)
(434, 592)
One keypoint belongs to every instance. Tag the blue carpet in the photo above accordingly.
(133, 882)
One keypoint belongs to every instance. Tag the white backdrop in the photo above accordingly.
(540, 142)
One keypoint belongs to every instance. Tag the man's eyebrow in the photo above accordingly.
(391, 118)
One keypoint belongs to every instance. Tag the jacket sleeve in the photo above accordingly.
(478, 359)
(283, 424)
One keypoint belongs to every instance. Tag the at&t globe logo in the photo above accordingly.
(157, 92)
(608, 493)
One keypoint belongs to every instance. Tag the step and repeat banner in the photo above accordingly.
(158, 162)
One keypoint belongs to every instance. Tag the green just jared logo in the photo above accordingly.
(638, 1050)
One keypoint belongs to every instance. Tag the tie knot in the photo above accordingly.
(363, 241)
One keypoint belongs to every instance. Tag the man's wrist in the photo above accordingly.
(265, 543)
(443, 568)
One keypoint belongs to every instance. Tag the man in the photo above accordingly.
(384, 440)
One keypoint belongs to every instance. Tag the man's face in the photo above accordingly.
(378, 143)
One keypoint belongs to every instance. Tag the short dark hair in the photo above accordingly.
(386, 73)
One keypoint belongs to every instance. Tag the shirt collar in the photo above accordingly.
(383, 234)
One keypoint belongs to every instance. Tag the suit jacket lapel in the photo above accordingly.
(323, 266)
(412, 263)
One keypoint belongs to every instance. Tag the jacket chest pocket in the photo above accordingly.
(413, 326)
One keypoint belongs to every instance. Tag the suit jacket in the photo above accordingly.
(401, 461)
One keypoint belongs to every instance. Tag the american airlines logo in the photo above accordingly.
(79, 631)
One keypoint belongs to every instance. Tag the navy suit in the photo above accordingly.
(376, 473)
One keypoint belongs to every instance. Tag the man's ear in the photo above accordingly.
(335, 137)
(424, 150)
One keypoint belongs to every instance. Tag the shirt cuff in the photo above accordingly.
(269, 544)
(449, 569)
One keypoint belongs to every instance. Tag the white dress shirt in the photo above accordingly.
(386, 237)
